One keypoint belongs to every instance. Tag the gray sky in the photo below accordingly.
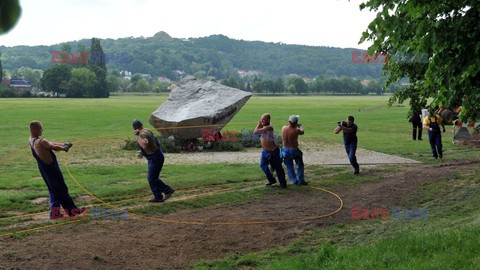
(335, 23)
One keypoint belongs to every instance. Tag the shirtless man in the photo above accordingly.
(150, 149)
(42, 151)
(290, 151)
(270, 153)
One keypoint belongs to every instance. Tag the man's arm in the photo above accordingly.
(300, 129)
(53, 146)
(260, 128)
(346, 129)
(143, 142)
(337, 129)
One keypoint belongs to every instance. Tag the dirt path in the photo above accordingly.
(138, 244)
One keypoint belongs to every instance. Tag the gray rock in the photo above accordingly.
(199, 103)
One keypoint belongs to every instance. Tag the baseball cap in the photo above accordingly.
(293, 118)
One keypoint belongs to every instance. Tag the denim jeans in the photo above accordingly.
(351, 149)
(273, 159)
(289, 156)
(435, 139)
(155, 164)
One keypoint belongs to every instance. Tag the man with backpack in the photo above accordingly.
(150, 149)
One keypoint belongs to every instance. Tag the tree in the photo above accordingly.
(97, 65)
(82, 83)
(142, 86)
(113, 83)
(1, 69)
(445, 34)
(55, 79)
(297, 85)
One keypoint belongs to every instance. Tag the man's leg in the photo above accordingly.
(414, 133)
(438, 142)
(56, 185)
(264, 161)
(419, 127)
(352, 150)
(431, 140)
(300, 166)
(287, 159)
(276, 162)
(155, 165)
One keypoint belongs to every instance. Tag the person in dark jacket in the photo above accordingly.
(416, 121)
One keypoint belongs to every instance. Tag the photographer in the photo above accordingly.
(349, 140)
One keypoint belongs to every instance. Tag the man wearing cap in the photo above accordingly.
(290, 151)
(42, 151)
(350, 140)
(270, 153)
(150, 149)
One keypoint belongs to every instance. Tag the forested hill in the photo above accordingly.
(216, 55)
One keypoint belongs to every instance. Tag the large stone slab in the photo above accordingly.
(198, 103)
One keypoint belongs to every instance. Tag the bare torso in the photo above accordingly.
(290, 137)
(267, 139)
(42, 152)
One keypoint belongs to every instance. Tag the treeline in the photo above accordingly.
(77, 79)
(217, 56)
(321, 85)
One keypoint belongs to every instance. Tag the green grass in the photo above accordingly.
(447, 239)
(364, 245)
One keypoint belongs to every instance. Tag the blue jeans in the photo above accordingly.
(351, 149)
(155, 164)
(290, 155)
(273, 159)
(435, 139)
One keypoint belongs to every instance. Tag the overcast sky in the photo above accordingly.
(335, 23)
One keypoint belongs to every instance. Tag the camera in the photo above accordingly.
(342, 123)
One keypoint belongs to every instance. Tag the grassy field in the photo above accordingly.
(381, 128)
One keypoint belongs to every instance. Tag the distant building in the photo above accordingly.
(247, 73)
(20, 84)
(366, 82)
(164, 79)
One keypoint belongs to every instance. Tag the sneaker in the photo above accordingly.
(168, 194)
(283, 186)
(356, 171)
(304, 183)
(156, 200)
(270, 184)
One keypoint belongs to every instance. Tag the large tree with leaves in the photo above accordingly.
(99, 68)
(448, 32)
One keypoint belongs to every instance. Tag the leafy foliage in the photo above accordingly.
(448, 32)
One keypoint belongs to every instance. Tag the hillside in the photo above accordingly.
(216, 55)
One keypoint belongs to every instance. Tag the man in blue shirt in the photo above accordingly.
(350, 140)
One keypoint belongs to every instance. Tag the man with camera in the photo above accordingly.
(150, 149)
(350, 140)
(271, 152)
(290, 151)
(42, 151)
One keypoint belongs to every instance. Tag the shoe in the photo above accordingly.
(168, 194)
(356, 171)
(435, 157)
(156, 200)
(304, 183)
(270, 184)
(283, 186)
(420, 139)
